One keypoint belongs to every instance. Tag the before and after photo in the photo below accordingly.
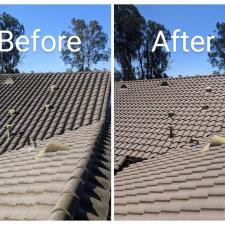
(90, 135)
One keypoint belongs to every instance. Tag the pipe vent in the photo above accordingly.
(53, 88)
(208, 89)
(48, 107)
(123, 86)
(171, 114)
(12, 112)
(9, 130)
(171, 132)
(205, 107)
(164, 84)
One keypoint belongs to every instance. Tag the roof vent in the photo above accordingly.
(8, 81)
(164, 84)
(208, 89)
(205, 107)
(52, 146)
(171, 114)
(123, 86)
(216, 140)
(171, 132)
(9, 130)
(12, 112)
(48, 107)
(53, 88)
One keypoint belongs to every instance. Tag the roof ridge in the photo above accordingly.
(54, 73)
(172, 78)
(67, 205)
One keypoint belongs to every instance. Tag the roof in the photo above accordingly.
(59, 167)
(162, 169)
(72, 99)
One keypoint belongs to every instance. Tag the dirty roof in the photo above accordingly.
(161, 169)
(72, 179)
(78, 99)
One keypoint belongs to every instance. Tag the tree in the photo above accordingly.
(153, 64)
(92, 48)
(217, 53)
(10, 60)
(128, 37)
(117, 75)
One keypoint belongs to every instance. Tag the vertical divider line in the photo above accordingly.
(112, 111)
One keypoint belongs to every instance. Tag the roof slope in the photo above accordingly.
(182, 184)
(159, 136)
(73, 100)
(70, 184)
(68, 115)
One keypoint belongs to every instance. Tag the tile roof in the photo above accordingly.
(79, 99)
(161, 172)
(73, 183)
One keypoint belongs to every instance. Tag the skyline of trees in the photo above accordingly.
(93, 48)
(10, 60)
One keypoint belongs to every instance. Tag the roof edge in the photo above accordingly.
(55, 73)
(67, 206)
(172, 78)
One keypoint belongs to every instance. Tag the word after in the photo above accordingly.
(197, 43)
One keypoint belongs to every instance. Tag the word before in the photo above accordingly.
(22, 43)
(197, 42)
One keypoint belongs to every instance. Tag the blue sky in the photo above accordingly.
(52, 20)
(193, 19)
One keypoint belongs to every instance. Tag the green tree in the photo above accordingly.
(128, 37)
(153, 64)
(217, 53)
(93, 47)
(10, 60)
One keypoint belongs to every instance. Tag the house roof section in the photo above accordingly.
(187, 183)
(161, 132)
(48, 104)
(55, 146)
(142, 121)
(68, 184)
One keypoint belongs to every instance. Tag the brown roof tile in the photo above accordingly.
(177, 179)
(69, 184)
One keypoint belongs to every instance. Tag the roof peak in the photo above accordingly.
(174, 78)
(55, 73)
